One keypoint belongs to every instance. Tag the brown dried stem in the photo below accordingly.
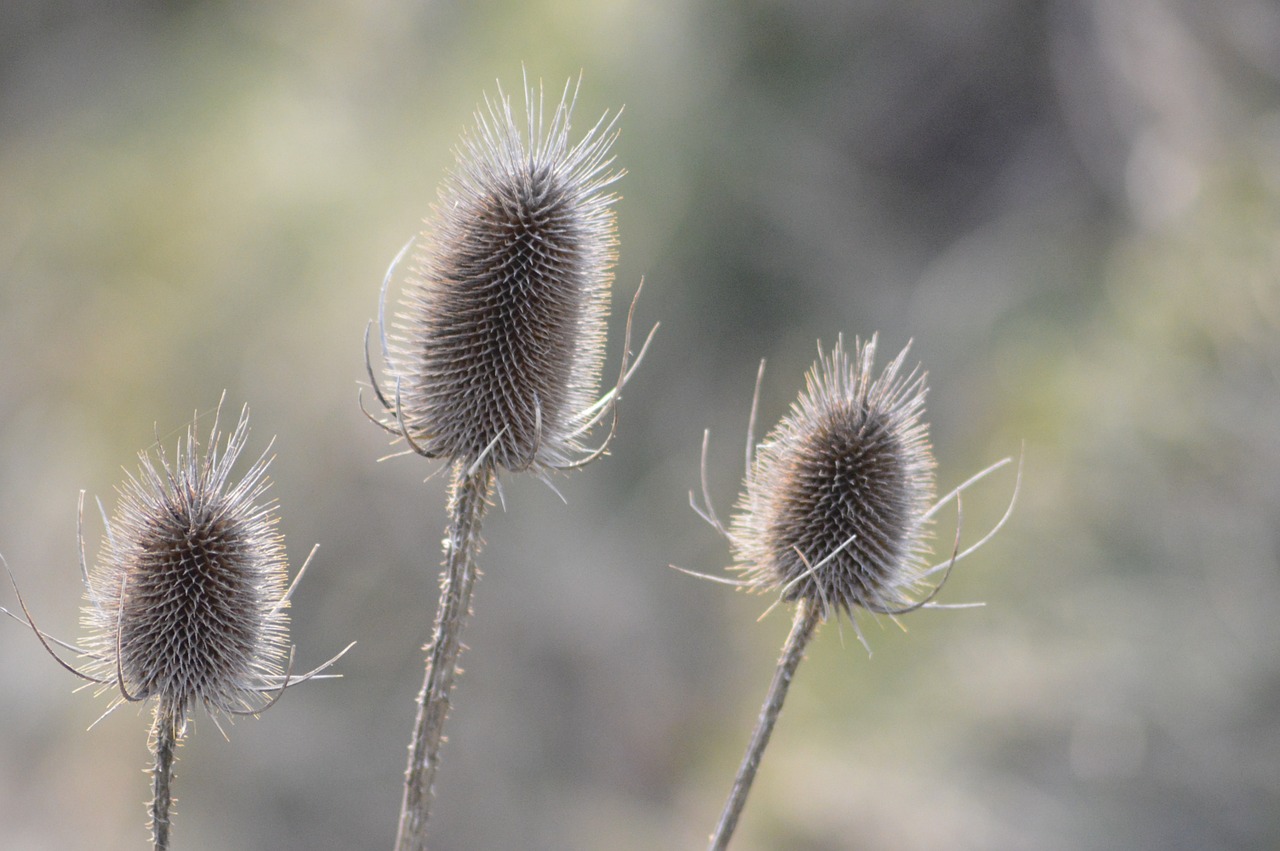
(468, 501)
(808, 615)
(164, 734)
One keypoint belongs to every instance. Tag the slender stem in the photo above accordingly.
(164, 734)
(806, 622)
(467, 503)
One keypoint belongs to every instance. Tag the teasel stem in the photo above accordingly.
(808, 615)
(468, 500)
(164, 732)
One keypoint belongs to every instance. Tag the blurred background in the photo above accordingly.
(1072, 207)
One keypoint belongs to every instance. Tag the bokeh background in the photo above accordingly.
(1072, 207)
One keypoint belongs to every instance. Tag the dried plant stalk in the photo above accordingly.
(467, 503)
(806, 623)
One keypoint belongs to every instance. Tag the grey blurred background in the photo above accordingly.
(1072, 207)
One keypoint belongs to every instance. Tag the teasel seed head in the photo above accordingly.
(498, 348)
(187, 599)
(835, 504)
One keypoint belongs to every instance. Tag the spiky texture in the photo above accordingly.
(833, 508)
(500, 341)
(185, 600)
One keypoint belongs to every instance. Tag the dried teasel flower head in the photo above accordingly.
(837, 499)
(498, 348)
(187, 600)
(834, 514)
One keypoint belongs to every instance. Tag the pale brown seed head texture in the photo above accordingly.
(500, 342)
(183, 600)
(833, 508)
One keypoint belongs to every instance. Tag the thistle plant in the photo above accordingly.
(187, 601)
(495, 357)
(835, 516)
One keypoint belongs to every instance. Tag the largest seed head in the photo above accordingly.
(498, 349)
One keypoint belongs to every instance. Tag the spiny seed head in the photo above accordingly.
(499, 345)
(185, 600)
(834, 505)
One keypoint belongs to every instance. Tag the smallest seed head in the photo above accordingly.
(834, 508)
(186, 601)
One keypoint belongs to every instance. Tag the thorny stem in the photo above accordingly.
(467, 503)
(807, 617)
(164, 733)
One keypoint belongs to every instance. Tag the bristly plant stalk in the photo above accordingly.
(806, 623)
(164, 735)
(470, 492)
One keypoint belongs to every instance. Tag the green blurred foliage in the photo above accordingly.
(1073, 207)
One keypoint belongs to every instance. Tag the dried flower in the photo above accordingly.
(186, 602)
(834, 505)
(187, 599)
(495, 357)
(834, 515)
(498, 349)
